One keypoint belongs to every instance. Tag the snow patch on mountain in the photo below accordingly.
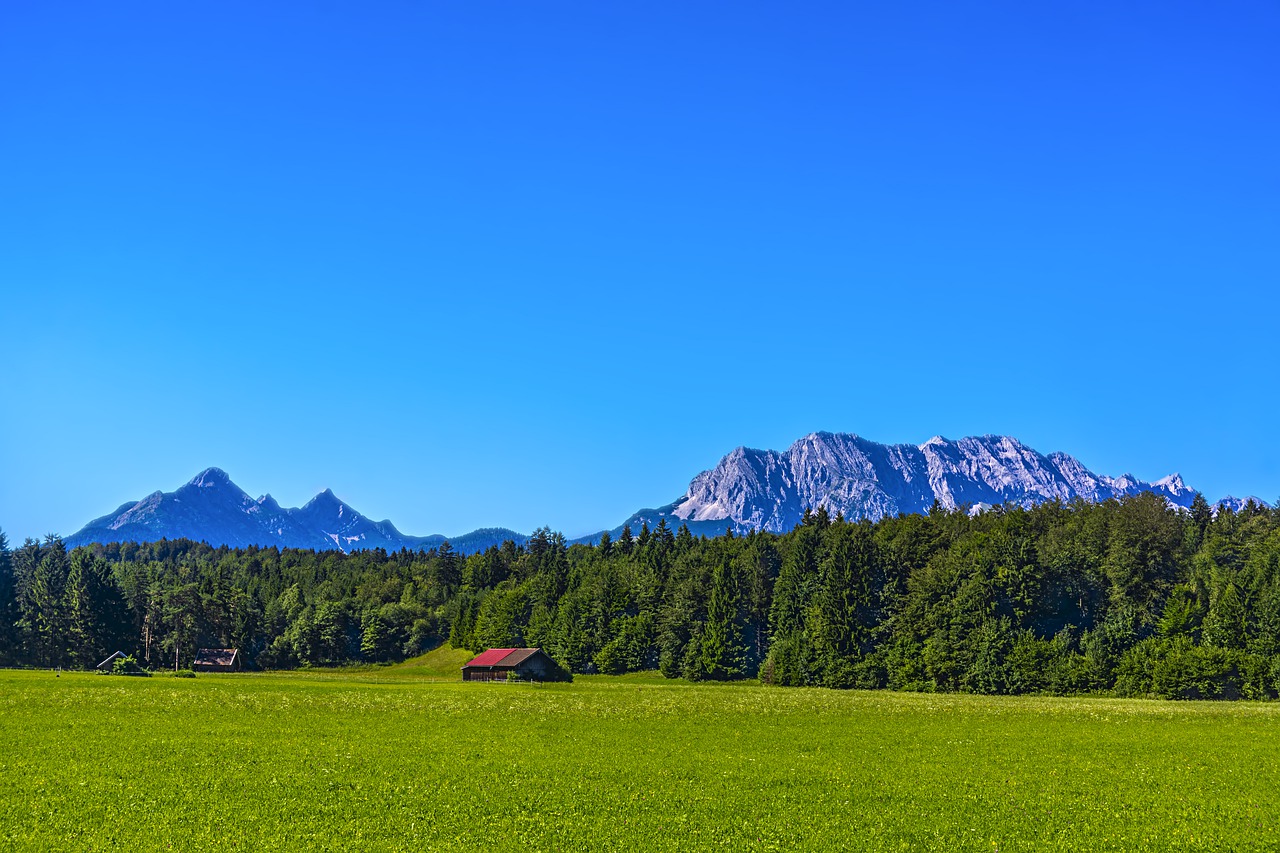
(210, 478)
(1234, 504)
(769, 490)
(213, 509)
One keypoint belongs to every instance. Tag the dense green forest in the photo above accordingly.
(1126, 596)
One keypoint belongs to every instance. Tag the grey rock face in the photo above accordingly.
(765, 489)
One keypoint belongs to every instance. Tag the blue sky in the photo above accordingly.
(541, 263)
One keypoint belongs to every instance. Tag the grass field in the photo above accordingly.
(398, 759)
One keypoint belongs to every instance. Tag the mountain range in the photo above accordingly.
(213, 509)
(769, 489)
(747, 490)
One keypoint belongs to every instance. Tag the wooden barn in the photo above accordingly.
(216, 660)
(514, 664)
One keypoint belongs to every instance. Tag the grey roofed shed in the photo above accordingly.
(217, 660)
(110, 662)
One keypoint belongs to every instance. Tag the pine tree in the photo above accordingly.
(97, 612)
(663, 535)
(9, 613)
(792, 592)
(41, 575)
(1224, 626)
(842, 604)
(48, 589)
(448, 567)
(763, 563)
(684, 539)
(1200, 516)
(723, 650)
(462, 631)
(79, 636)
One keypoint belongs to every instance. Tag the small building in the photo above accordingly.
(514, 664)
(216, 660)
(110, 663)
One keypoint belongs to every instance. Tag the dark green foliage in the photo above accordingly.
(722, 652)
(796, 581)
(631, 649)
(842, 614)
(1127, 596)
(1176, 669)
(10, 638)
(97, 613)
(128, 666)
(790, 662)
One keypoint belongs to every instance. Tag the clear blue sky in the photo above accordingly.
(539, 263)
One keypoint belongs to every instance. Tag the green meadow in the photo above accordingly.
(408, 758)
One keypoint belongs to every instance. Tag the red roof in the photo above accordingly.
(490, 658)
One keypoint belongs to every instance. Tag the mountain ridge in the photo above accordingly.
(211, 508)
(748, 489)
(767, 489)
(849, 474)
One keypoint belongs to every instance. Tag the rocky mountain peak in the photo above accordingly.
(325, 503)
(864, 479)
(210, 478)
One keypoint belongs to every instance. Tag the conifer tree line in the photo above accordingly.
(1127, 596)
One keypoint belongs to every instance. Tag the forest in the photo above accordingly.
(1128, 597)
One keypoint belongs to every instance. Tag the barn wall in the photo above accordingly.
(486, 674)
(535, 668)
(542, 668)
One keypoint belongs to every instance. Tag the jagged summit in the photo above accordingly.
(749, 489)
(212, 508)
(769, 490)
(1235, 504)
(324, 500)
(1173, 482)
(210, 477)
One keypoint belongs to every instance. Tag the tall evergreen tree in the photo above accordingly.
(762, 565)
(684, 539)
(795, 583)
(1200, 516)
(1224, 626)
(840, 621)
(44, 613)
(1144, 541)
(448, 567)
(723, 653)
(10, 644)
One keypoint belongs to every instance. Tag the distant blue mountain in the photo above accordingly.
(210, 508)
